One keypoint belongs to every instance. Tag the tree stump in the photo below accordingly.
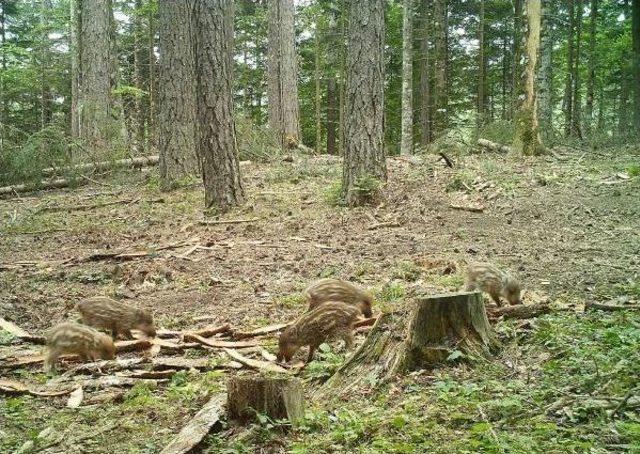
(278, 398)
(421, 336)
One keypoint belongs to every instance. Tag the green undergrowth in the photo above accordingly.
(554, 388)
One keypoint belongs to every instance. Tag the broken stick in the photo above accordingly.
(255, 364)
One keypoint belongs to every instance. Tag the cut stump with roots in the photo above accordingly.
(277, 398)
(423, 335)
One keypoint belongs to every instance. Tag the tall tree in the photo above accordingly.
(516, 52)
(576, 129)
(334, 59)
(406, 146)
(98, 124)
(591, 73)
(545, 92)
(177, 113)
(567, 103)
(364, 154)
(74, 35)
(282, 76)
(424, 68)
(216, 129)
(635, 31)
(441, 88)
(527, 140)
(317, 77)
(482, 68)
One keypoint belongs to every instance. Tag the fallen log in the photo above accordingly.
(13, 387)
(278, 398)
(227, 221)
(111, 381)
(609, 307)
(381, 225)
(51, 184)
(494, 146)
(133, 345)
(261, 331)
(421, 335)
(471, 208)
(199, 427)
(519, 311)
(99, 366)
(201, 364)
(150, 374)
(255, 364)
(136, 163)
(55, 209)
(218, 343)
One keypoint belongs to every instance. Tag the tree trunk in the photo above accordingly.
(441, 111)
(153, 82)
(282, 74)
(505, 72)
(75, 51)
(527, 140)
(318, 97)
(406, 145)
(45, 53)
(424, 336)
(216, 129)
(635, 31)
(3, 56)
(98, 123)
(139, 81)
(177, 113)
(424, 68)
(545, 84)
(516, 70)
(591, 74)
(567, 103)
(332, 116)
(482, 67)
(576, 128)
(364, 153)
(277, 398)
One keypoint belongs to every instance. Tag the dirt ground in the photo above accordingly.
(569, 228)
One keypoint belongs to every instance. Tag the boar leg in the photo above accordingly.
(312, 350)
(127, 334)
(496, 298)
(50, 360)
(469, 285)
(347, 336)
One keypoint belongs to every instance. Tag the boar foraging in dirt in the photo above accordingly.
(82, 340)
(103, 312)
(488, 278)
(336, 290)
(330, 320)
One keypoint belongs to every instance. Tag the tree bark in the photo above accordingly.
(364, 153)
(440, 24)
(576, 128)
(422, 336)
(424, 68)
(406, 145)
(545, 84)
(139, 79)
(332, 116)
(277, 398)
(153, 81)
(318, 93)
(516, 70)
(282, 74)
(591, 74)
(177, 113)
(527, 140)
(216, 129)
(482, 67)
(635, 31)
(567, 103)
(98, 125)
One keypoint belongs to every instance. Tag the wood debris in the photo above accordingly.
(261, 331)
(255, 364)
(218, 343)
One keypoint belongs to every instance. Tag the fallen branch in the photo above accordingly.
(12, 328)
(13, 387)
(366, 322)
(610, 307)
(133, 345)
(51, 184)
(261, 331)
(54, 209)
(75, 398)
(199, 427)
(519, 311)
(151, 374)
(383, 224)
(255, 364)
(473, 209)
(201, 364)
(218, 343)
(136, 163)
(111, 381)
(209, 331)
(227, 221)
(494, 146)
(446, 159)
(98, 366)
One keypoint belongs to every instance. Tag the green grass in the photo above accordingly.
(503, 405)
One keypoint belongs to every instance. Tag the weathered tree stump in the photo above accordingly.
(421, 336)
(278, 398)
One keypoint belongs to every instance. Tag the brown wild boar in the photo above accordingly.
(82, 340)
(330, 320)
(105, 313)
(337, 290)
(488, 278)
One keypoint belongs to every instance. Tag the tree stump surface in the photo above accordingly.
(277, 398)
(422, 335)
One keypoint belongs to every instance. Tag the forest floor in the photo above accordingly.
(564, 382)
